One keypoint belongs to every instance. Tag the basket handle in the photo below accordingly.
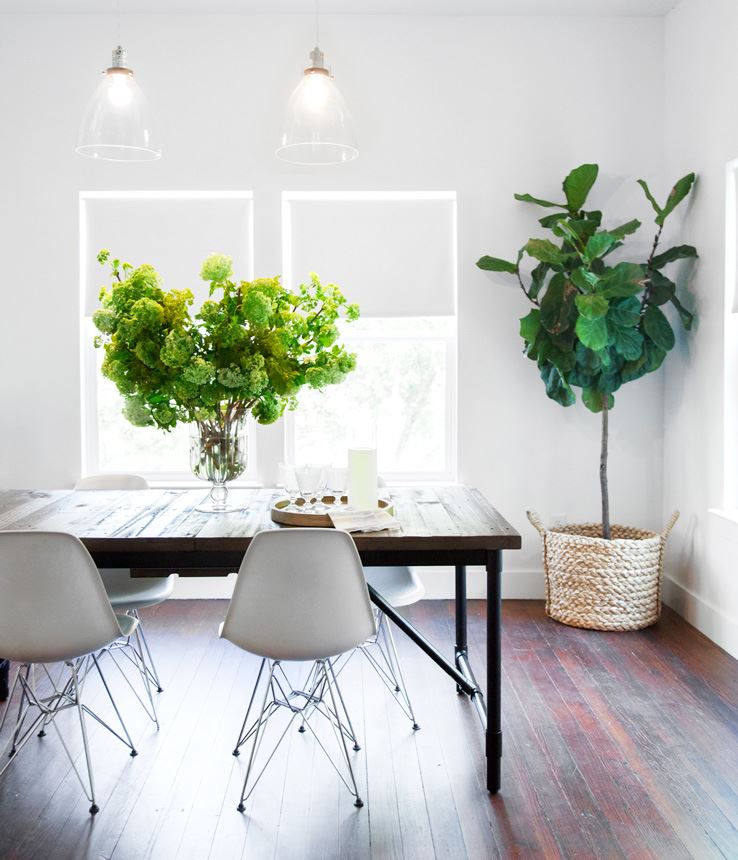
(670, 525)
(535, 521)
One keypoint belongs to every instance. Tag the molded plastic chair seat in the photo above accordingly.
(130, 593)
(400, 586)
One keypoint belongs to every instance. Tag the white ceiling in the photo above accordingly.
(355, 7)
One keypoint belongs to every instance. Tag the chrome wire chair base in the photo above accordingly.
(382, 655)
(65, 694)
(321, 693)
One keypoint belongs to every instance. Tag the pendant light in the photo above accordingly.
(317, 126)
(116, 125)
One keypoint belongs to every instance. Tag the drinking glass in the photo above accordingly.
(321, 489)
(288, 481)
(307, 480)
(337, 476)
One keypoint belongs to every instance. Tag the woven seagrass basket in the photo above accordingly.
(603, 584)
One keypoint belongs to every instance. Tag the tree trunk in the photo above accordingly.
(603, 473)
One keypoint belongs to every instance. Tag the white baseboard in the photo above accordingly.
(438, 581)
(708, 619)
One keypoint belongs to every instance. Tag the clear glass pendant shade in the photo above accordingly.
(317, 126)
(116, 125)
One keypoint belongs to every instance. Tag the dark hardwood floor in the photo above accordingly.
(615, 746)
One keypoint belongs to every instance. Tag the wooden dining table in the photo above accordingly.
(156, 531)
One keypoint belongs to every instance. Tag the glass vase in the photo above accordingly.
(218, 453)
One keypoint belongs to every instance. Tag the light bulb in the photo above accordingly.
(316, 88)
(119, 91)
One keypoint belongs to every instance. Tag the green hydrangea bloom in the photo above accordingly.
(217, 268)
(177, 349)
(137, 412)
(104, 320)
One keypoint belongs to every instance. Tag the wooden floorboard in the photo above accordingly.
(615, 746)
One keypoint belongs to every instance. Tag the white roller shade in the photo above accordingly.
(173, 231)
(394, 255)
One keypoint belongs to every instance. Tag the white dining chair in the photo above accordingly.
(301, 596)
(54, 609)
(128, 594)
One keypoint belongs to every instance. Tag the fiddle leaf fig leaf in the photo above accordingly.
(578, 184)
(537, 279)
(624, 312)
(629, 343)
(647, 191)
(685, 315)
(655, 356)
(530, 325)
(658, 328)
(679, 252)
(676, 195)
(594, 399)
(545, 251)
(557, 387)
(584, 279)
(598, 245)
(592, 306)
(661, 290)
(550, 221)
(557, 305)
(495, 264)
(626, 229)
(527, 198)
(592, 332)
(625, 279)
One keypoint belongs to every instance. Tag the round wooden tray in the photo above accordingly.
(311, 520)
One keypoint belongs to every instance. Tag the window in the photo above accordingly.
(175, 231)
(395, 255)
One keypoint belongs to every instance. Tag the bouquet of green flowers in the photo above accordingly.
(250, 350)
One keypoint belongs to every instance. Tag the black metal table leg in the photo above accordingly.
(494, 670)
(4, 677)
(460, 608)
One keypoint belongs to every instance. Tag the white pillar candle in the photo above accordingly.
(362, 479)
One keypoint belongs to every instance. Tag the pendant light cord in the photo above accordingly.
(317, 24)
(117, 18)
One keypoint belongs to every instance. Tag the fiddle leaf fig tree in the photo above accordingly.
(595, 324)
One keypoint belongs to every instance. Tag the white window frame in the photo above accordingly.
(451, 408)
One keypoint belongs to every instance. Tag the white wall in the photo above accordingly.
(701, 134)
(484, 106)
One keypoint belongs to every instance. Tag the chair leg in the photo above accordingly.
(21, 710)
(151, 671)
(125, 740)
(258, 731)
(332, 683)
(399, 676)
(352, 733)
(94, 808)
